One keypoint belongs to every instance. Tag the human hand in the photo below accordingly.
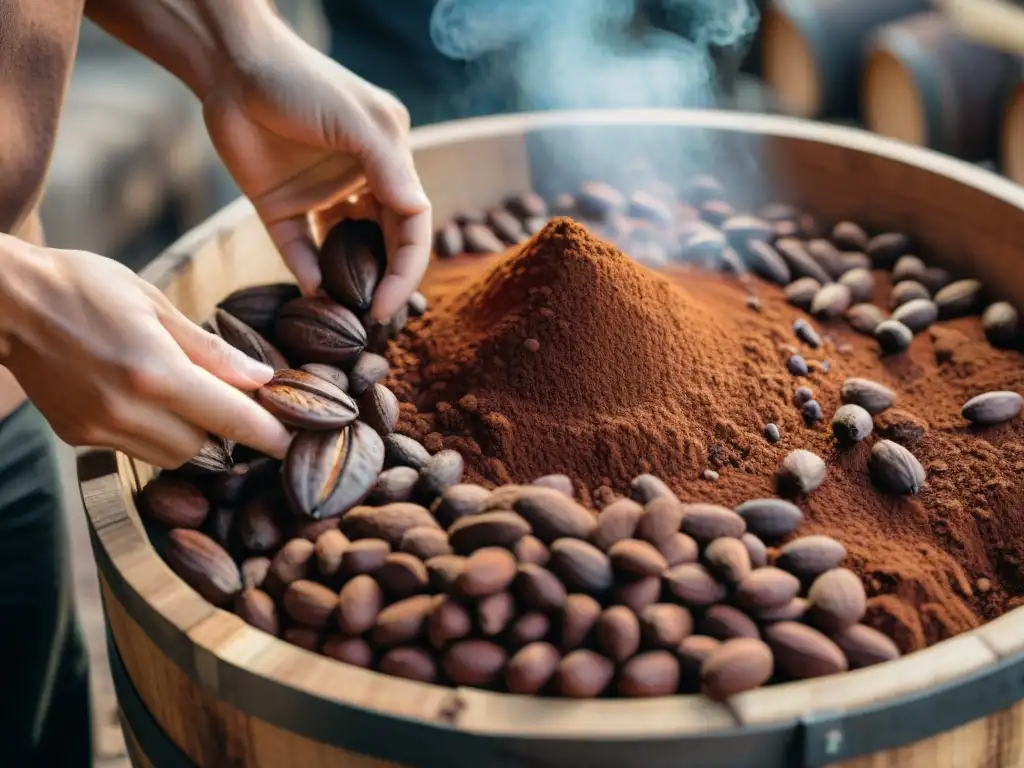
(300, 134)
(110, 362)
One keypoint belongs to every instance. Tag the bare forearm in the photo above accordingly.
(196, 40)
(18, 278)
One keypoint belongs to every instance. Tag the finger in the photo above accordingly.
(213, 353)
(155, 437)
(407, 239)
(293, 237)
(391, 176)
(359, 205)
(202, 399)
(169, 439)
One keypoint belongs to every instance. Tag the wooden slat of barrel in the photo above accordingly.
(229, 694)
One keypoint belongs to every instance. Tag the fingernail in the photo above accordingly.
(254, 369)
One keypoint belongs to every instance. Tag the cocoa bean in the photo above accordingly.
(530, 549)
(425, 542)
(734, 667)
(617, 633)
(254, 572)
(831, 301)
(506, 226)
(364, 556)
(316, 330)
(755, 550)
(766, 262)
(794, 610)
(329, 550)
(725, 623)
(864, 646)
(560, 483)
(489, 529)
(655, 673)
(539, 589)
(581, 565)
(728, 559)
(907, 291)
(410, 663)
(350, 650)
(448, 621)
(802, 472)
(1001, 322)
(458, 501)
(664, 625)
(531, 668)
(691, 652)
(291, 563)
(860, 282)
(478, 238)
(389, 522)
(328, 373)
(258, 523)
(403, 622)
(444, 570)
(895, 469)
(959, 298)
(801, 292)
(869, 395)
(616, 522)
(637, 595)
(310, 604)
(378, 407)
(706, 522)
(214, 455)
(526, 205)
(770, 519)
(583, 674)
(352, 261)
(552, 515)
(474, 662)
(394, 485)
(441, 471)
(448, 240)
(245, 339)
(893, 337)
(851, 424)
(916, 315)
(256, 608)
(661, 519)
(693, 585)
(257, 306)
(303, 637)
(529, 628)
(837, 600)
(203, 564)
(175, 503)
(486, 571)
(884, 249)
(801, 652)
(402, 575)
(578, 619)
(369, 369)
(678, 549)
(637, 558)
(809, 556)
(766, 587)
(327, 473)
(992, 408)
(494, 612)
(306, 401)
(644, 488)
(865, 318)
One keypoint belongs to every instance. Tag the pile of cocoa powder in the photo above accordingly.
(566, 356)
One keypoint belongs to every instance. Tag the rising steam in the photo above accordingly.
(564, 54)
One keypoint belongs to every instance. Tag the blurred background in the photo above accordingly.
(133, 168)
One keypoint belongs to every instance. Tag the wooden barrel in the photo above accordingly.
(812, 50)
(1011, 131)
(199, 687)
(927, 83)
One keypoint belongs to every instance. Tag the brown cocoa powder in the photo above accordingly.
(636, 371)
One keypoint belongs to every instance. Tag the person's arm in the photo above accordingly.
(195, 40)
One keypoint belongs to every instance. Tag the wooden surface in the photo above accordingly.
(205, 676)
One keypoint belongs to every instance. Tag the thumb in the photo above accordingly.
(211, 352)
(293, 237)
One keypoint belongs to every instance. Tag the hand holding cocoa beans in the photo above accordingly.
(111, 362)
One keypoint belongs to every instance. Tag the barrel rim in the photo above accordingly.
(119, 539)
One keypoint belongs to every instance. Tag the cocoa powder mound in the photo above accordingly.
(564, 355)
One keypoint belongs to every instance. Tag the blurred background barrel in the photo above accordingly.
(813, 51)
(926, 83)
(1011, 127)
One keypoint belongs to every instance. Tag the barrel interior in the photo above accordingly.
(226, 693)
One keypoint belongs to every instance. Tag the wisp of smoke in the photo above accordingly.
(580, 54)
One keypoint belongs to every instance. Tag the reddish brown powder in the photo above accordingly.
(566, 356)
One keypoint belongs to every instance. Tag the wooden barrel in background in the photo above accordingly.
(813, 50)
(199, 687)
(925, 82)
